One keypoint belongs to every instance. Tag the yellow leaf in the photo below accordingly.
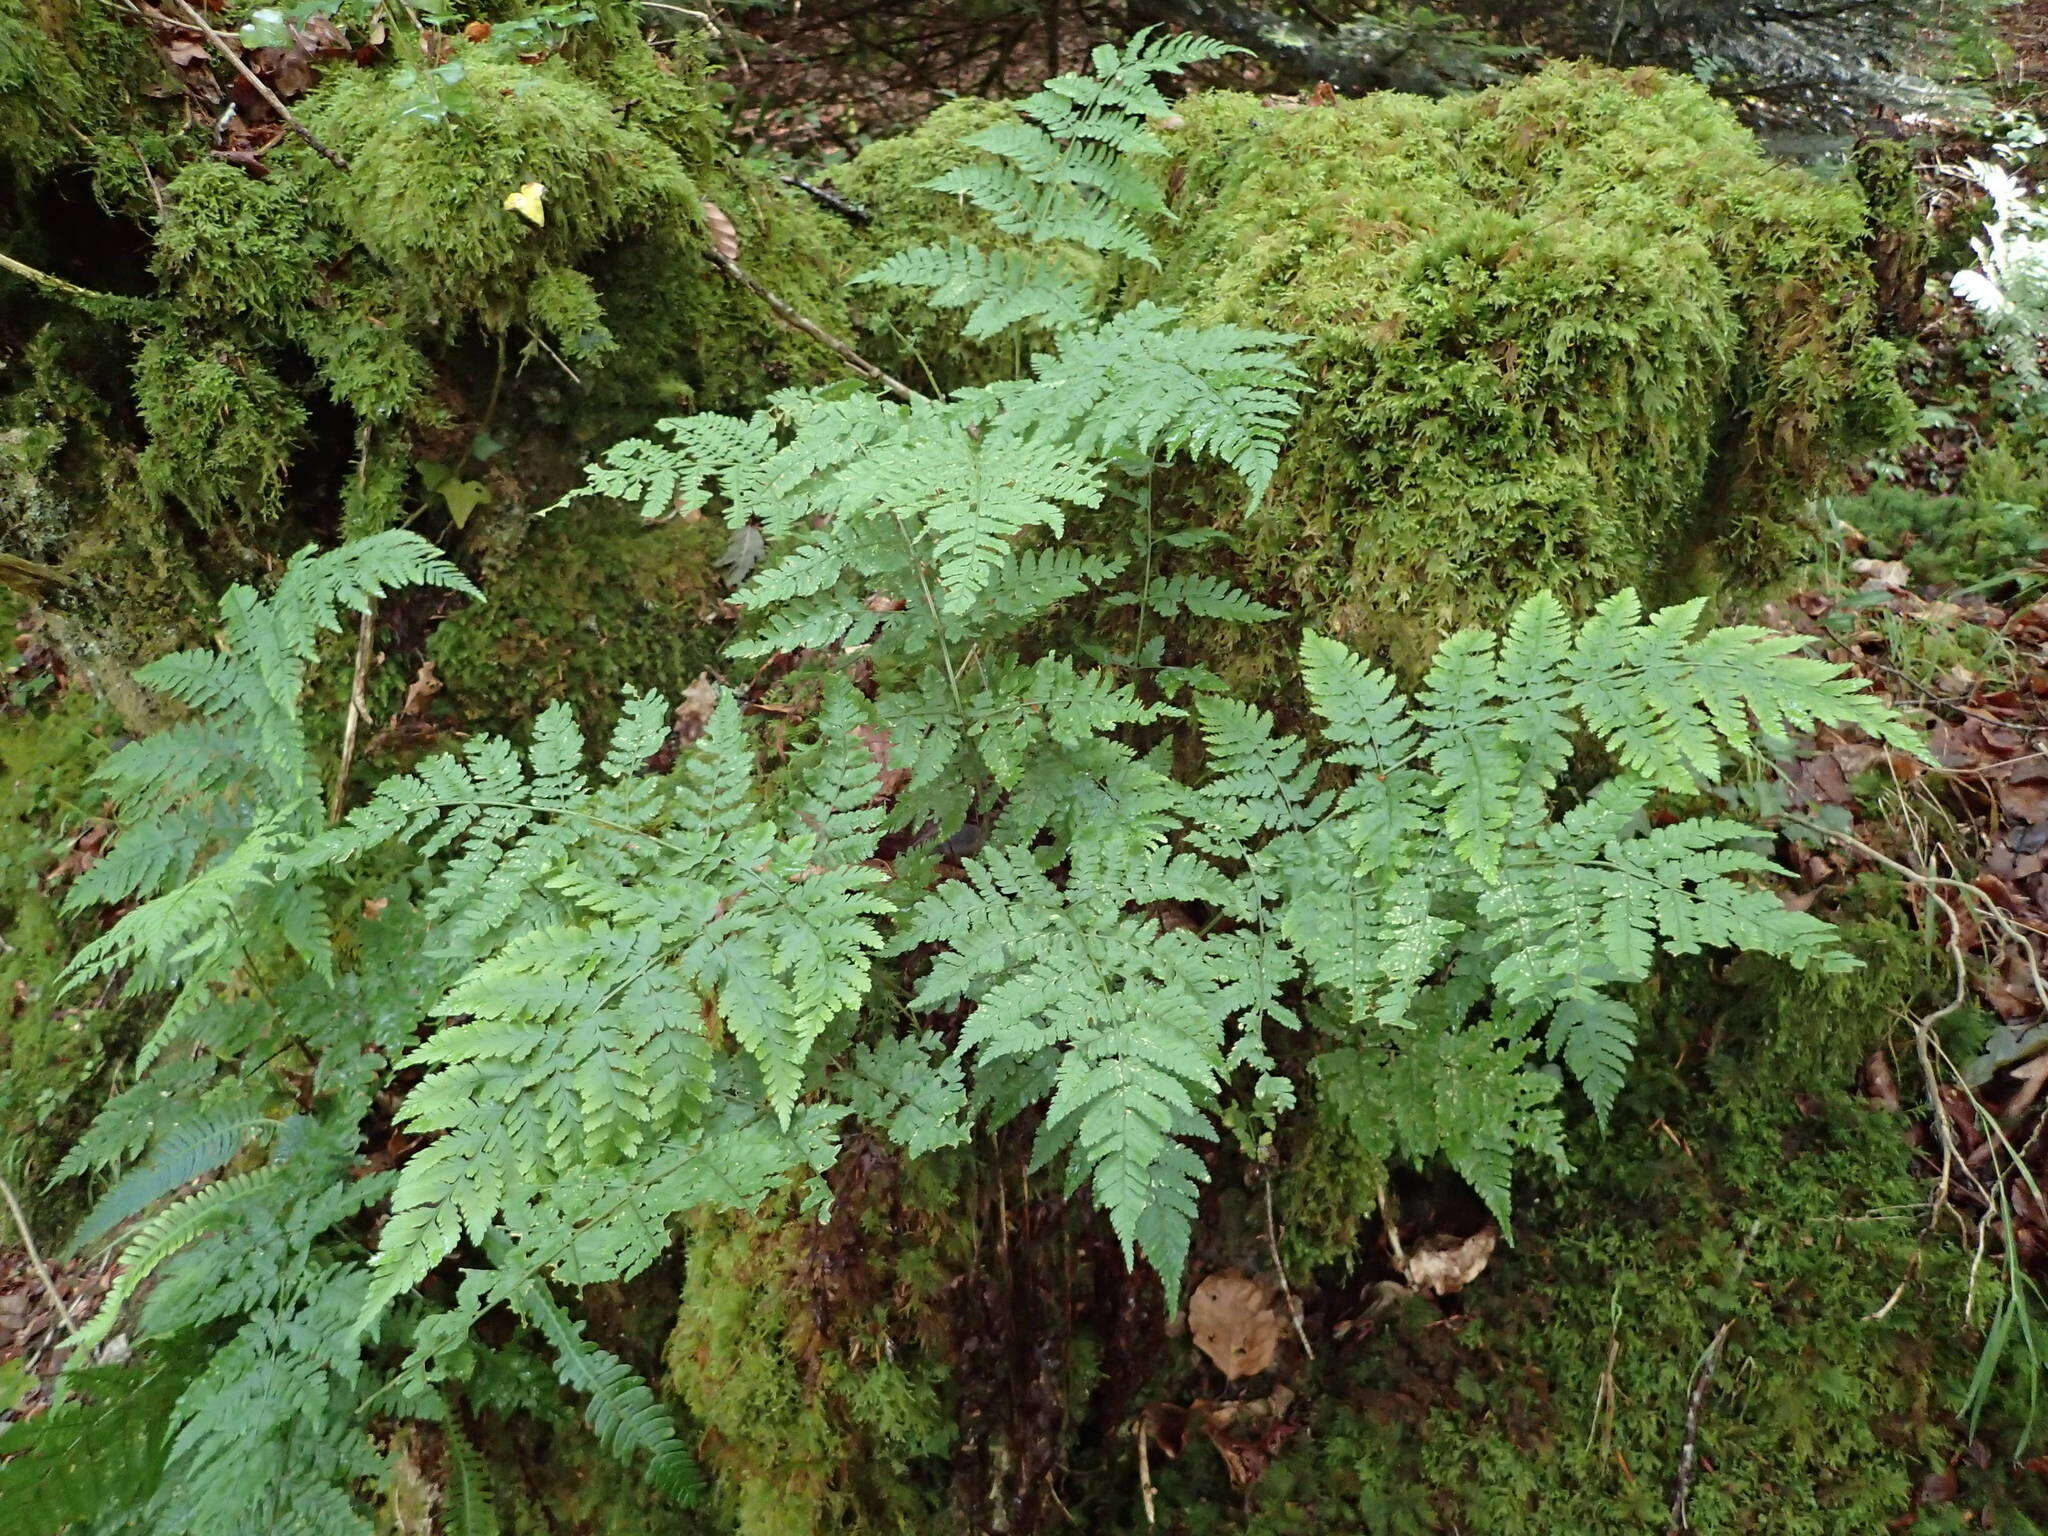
(527, 202)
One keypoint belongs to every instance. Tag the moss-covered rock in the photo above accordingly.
(1576, 332)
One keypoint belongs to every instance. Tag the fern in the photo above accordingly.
(595, 994)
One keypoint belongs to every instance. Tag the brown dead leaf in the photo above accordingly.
(1880, 574)
(1442, 1264)
(694, 713)
(420, 691)
(725, 240)
(1235, 1323)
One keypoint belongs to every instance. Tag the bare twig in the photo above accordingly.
(221, 46)
(1702, 1376)
(847, 209)
(31, 578)
(35, 1259)
(798, 322)
(358, 712)
(1280, 1269)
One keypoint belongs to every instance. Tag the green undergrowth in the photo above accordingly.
(594, 601)
(57, 1052)
(1577, 332)
(1745, 1177)
(814, 1361)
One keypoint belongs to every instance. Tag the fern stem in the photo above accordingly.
(931, 604)
(358, 711)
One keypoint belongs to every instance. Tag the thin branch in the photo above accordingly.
(91, 299)
(798, 322)
(1703, 1374)
(35, 1259)
(1280, 1269)
(31, 578)
(276, 103)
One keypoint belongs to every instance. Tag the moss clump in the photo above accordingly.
(1945, 539)
(595, 601)
(1576, 332)
(797, 1346)
(223, 429)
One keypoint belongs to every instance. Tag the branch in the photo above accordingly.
(35, 1259)
(31, 578)
(221, 46)
(811, 328)
(106, 305)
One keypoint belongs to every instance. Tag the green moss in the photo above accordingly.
(1945, 539)
(425, 197)
(1576, 332)
(223, 428)
(69, 70)
(820, 1410)
(594, 601)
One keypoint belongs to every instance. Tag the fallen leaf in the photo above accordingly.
(527, 202)
(1235, 1323)
(725, 240)
(1441, 1264)
(477, 31)
(421, 690)
(694, 713)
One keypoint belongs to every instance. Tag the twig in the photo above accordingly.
(811, 328)
(89, 298)
(1391, 1226)
(847, 209)
(35, 1259)
(358, 711)
(1280, 1269)
(276, 103)
(1702, 1376)
(31, 578)
(541, 342)
(1145, 1489)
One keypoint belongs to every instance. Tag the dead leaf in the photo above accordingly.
(725, 240)
(1880, 574)
(743, 552)
(420, 691)
(694, 713)
(1442, 1264)
(1235, 1323)
(477, 31)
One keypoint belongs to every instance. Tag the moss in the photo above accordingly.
(1945, 539)
(820, 1409)
(223, 428)
(68, 68)
(1576, 332)
(425, 196)
(595, 601)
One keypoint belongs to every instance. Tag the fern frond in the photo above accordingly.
(998, 289)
